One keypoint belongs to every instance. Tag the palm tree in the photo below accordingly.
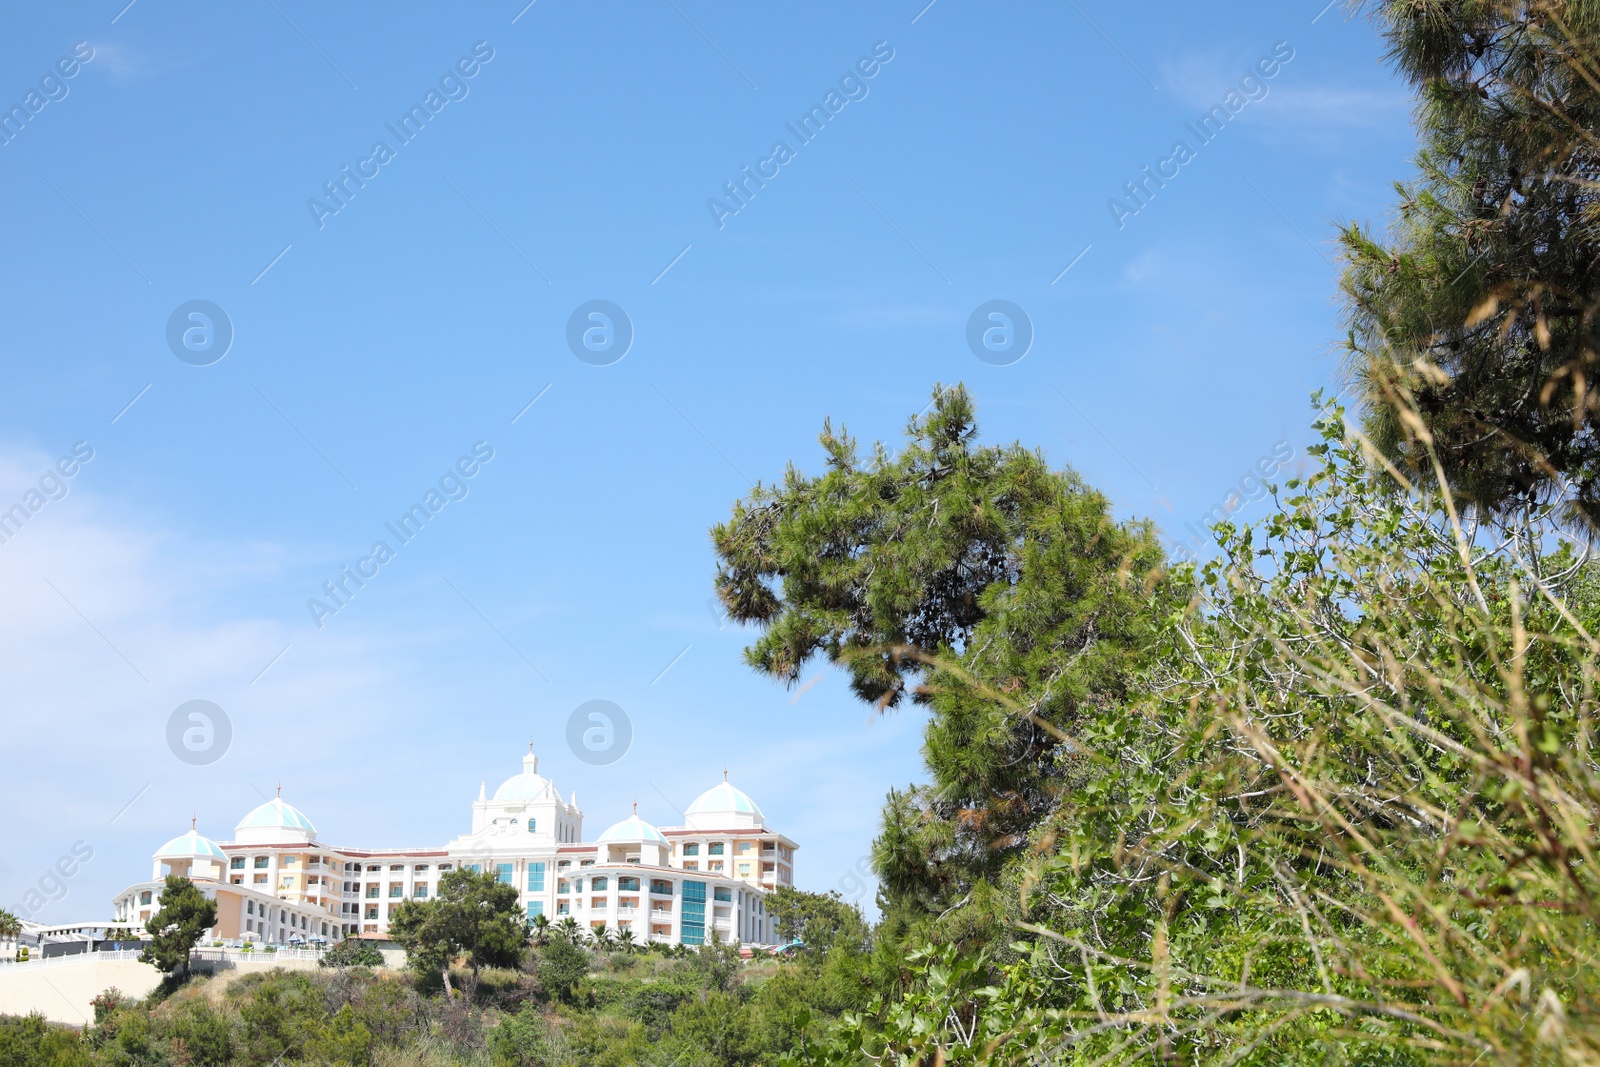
(569, 930)
(541, 929)
(10, 926)
(601, 937)
(625, 940)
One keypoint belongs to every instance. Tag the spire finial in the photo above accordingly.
(530, 742)
(280, 786)
(636, 806)
(192, 820)
(724, 774)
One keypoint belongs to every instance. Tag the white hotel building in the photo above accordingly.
(275, 883)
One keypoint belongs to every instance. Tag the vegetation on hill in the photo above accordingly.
(561, 1004)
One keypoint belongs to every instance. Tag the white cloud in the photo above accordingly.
(1310, 111)
(1321, 109)
(120, 62)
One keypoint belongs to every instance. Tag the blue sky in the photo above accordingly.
(375, 345)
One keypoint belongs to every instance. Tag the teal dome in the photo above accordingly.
(276, 815)
(722, 799)
(630, 830)
(191, 845)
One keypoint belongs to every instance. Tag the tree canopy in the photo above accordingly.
(1480, 300)
(474, 915)
(949, 571)
(820, 920)
(183, 917)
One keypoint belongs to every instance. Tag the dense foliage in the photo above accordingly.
(1481, 300)
(1351, 821)
(352, 952)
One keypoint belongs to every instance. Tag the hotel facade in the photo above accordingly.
(276, 883)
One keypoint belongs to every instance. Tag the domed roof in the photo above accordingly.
(723, 798)
(276, 815)
(630, 830)
(528, 785)
(189, 846)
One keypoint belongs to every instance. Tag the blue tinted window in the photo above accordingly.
(693, 929)
(536, 878)
(535, 907)
(503, 871)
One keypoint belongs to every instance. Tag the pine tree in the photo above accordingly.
(474, 915)
(184, 916)
(950, 573)
(1481, 301)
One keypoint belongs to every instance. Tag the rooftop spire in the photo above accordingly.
(192, 820)
(280, 784)
(724, 774)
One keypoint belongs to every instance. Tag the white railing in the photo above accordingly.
(259, 955)
(76, 957)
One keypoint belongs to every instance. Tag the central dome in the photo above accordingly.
(528, 785)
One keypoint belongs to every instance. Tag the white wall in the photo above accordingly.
(62, 989)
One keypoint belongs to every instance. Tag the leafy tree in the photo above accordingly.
(1481, 300)
(202, 1034)
(527, 1039)
(10, 926)
(715, 1028)
(945, 572)
(474, 915)
(625, 940)
(821, 920)
(352, 952)
(33, 1042)
(570, 930)
(182, 919)
(561, 964)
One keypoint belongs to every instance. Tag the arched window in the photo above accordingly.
(533, 825)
